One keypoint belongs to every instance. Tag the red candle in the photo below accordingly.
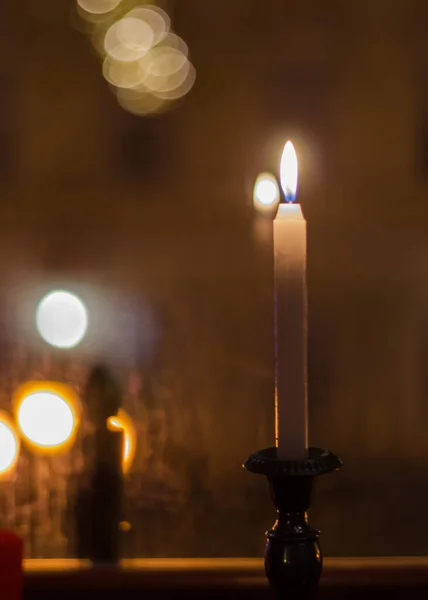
(11, 575)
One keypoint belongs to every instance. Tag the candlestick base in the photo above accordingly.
(293, 557)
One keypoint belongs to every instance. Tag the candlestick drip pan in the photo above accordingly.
(266, 462)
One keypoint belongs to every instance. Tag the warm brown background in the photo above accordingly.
(151, 220)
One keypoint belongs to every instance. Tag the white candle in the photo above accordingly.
(289, 232)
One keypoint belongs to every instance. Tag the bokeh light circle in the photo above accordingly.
(139, 52)
(98, 7)
(172, 40)
(176, 88)
(9, 445)
(129, 74)
(62, 319)
(154, 16)
(266, 192)
(128, 39)
(46, 419)
(169, 83)
(139, 101)
(163, 61)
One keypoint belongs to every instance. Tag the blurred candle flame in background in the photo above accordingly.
(48, 415)
(123, 422)
(288, 171)
(9, 445)
(266, 192)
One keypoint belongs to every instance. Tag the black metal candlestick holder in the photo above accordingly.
(293, 557)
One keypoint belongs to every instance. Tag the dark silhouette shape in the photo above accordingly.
(99, 502)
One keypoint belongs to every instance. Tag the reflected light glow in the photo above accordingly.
(85, 22)
(47, 414)
(172, 91)
(62, 319)
(288, 172)
(128, 39)
(98, 7)
(9, 445)
(266, 192)
(128, 74)
(167, 82)
(164, 61)
(139, 101)
(155, 17)
(123, 422)
(143, 59)
(172, 40)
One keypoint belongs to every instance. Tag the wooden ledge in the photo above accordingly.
(230, 573)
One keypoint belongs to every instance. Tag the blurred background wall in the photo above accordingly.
(151, 220)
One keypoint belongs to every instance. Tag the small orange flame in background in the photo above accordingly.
(122, 421)
(48, 415)
(9, 445)
(146, 63)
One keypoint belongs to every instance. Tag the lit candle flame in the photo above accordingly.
(288, 172)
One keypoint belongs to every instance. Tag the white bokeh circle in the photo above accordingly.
(9, 447)
(62, 319)
(46, 419)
